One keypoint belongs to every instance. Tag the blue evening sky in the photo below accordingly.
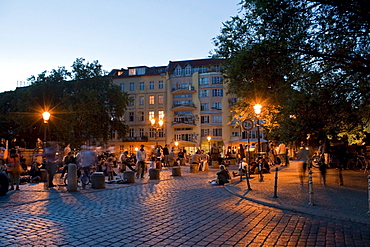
(41, 35)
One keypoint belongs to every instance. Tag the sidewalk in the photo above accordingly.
(349, 202)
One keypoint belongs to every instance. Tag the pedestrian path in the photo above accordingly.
(349, 201)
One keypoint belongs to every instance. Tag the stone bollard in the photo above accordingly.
(215, 164)
(176, 171)
(276, 183)
(98, 180)
(154, 174)
(129, 176)
(72, 178)
(194, 168)
(368, 188)
(205, 166)
(246, 168)
(310, 190)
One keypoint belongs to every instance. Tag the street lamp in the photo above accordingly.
(157, 126)
(46, 117)
(257, 110)
(209, 143)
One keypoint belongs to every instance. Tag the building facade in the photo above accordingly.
(188, 96)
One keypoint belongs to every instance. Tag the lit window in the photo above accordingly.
(151, 115)
(160, 100)
(160, 114)
(151, 100)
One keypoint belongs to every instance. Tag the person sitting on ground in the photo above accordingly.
(223, 176)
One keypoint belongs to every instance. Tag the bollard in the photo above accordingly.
(46, 181)
(260, 170)
(340, 176)
(368, 187)
(247, 175)
(310, 191)
(154, 174)
(241, 170)
(72, 177)
(176, 171)
(276, 182)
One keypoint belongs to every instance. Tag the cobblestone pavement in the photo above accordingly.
(173, 211)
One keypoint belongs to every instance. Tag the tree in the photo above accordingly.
(306, 59)
(84, 104)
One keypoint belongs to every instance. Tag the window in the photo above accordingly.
(204, 81)
(203, 93)
(178, 71)
(233, 134)
(188, 70)
(160, 84)
(204, 119)
(216, 68)
(203, 69)
(160, 114)
(160, 100)
(140, 71)
(217, 80)
(141, 86)
(132, 132)
(132, 86)
(204, 132)
(122, 86)
(216, 106)
(131, 116)
(217, 119)
(217, 92)
(217, 132)
(151, 115)
(151, 85)
(151, 100)
(141, 100)
(131, 71)
(204, 106)
(141, 116)
(141, 132)
(132, 102)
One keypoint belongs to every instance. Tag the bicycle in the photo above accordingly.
(82, 177)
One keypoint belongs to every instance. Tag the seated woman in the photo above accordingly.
(223, 176)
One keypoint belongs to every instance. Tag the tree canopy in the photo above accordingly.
(306, 62)
(84, 104)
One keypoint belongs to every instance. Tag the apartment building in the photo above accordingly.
(190, 98)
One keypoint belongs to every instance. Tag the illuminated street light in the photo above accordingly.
(209, 143)
(157, 126)
(257, 110)
(46, 116)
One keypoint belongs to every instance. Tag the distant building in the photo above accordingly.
(190, 96)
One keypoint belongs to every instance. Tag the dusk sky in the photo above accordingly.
(41, 35)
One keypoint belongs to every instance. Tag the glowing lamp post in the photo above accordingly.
(46, 117)
(157, 126)
(209, 143)
(257, 110)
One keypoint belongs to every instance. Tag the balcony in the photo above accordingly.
(184, 121)
(136, 139)
(182, 89)
(183, 106)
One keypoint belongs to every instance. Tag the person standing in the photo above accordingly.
(215, 152)
(282, 154)
(110, 165)
(141, 157)
(171, 158)
(303, 157)
(67, 150)
(165, 156)
(14, 169)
